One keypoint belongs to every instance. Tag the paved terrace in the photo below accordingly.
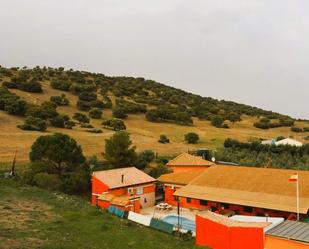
(184, 212)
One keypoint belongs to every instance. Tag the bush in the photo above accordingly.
(60, 85)
(87, 96)
(27, 86)
(60, 100)
(45, 111)
(119, 113)
(161, 169)
(217, 121)
(83, 105)
(76, 183)
(115, 124)
(97, 104)
(17, 107)
(80, 117)
(296, 129)
(59, 121)
(33, 124)
(47, 181)
(192, 138)
(306, 129)
(86, 126)
(144, 158)
(95, 131)
(69, 124)
(164, 139)
(95, 113)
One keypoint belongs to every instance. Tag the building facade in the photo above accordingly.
(126, 188)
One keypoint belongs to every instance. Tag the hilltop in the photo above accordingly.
(148, 109)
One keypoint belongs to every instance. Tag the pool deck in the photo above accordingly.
(184, 212)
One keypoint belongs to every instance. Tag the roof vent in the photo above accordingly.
(122, 178)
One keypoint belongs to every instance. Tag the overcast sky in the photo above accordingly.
(250, 51)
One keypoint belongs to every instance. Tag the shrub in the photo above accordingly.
(45, 111)
(119, 113)
(80, 117)
(33, 124)
(87, 96)
(86, 126)
(225, 126)
(60, 100)
(159, 170)
(144, 158)
(95, 113)
(60, 84)
(115, 124)
(17, 107)
(76, 182)
(27, 86)
(217, 121)
(83, 105)
(59, 121)
(306, 129)
(47, 181)
(296, 129)
(95, 131)
(97, 104)
(164, 139)
(192, 138)
(69, 124)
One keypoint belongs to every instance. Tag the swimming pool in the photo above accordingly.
(184, 223)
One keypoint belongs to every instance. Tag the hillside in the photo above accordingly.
(154, 109)
(34, 218)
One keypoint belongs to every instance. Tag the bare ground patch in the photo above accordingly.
(22, 216)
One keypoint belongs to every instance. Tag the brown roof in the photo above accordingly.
(223, 220)
(186, 159)
(115, 200)
(250, 186)
(181, 178)
(131, 176)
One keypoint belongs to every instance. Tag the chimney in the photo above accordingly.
(122, 177)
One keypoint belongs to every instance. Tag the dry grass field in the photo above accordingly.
(144, 134)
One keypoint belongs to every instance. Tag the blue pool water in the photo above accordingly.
(184, 222)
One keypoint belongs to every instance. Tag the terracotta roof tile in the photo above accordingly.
(186, 159)
(180, 178)
(250, 186)
(131, 176)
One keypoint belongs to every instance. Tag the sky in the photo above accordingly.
(254, 52)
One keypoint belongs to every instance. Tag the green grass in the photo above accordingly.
(19, 167)
(34, 218)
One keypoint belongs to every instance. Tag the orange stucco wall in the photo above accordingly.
(279, 243)
(99, 187)
(177, 169)
(219, 236)
(220, 207)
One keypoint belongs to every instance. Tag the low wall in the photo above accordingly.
(139, 218)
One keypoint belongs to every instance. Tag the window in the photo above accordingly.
(131, 191)
(248, 209)
(225, 205)
(188, 200)
(176, 198)
(139, 190)
(203, 202)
